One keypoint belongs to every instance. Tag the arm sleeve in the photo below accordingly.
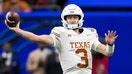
(55, 34)
(96, 42)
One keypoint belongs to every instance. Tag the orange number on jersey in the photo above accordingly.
(83, 58)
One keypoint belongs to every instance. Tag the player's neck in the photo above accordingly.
(76, 30)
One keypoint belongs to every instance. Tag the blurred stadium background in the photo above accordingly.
(100, 14)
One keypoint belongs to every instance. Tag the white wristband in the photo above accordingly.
(110, 49)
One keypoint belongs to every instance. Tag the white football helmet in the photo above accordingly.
(72, 9)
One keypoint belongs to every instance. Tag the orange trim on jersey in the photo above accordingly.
(96, 35)
(56, 34)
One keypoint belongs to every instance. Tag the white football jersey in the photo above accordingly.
(75, 49)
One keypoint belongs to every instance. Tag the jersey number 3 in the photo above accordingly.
(83, 58)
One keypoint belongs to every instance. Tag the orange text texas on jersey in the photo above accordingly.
(80, 44)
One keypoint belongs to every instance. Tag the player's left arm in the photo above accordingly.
(108, 49)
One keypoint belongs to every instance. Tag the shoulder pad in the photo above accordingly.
(92, 29)
(57, 31)
(58, 28)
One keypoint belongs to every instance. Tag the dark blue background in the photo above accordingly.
(101, 3)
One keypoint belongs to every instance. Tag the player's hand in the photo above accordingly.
(12, 28)
(110, 37)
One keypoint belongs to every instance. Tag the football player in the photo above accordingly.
(73, 42)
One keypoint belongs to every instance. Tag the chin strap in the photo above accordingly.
(72, 26)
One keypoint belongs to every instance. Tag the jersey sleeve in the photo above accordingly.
(55, 34)
(96, 42)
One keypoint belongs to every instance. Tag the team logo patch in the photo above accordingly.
(69, 35)
(71, 11)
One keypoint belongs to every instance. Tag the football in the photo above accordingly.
(12, 18)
